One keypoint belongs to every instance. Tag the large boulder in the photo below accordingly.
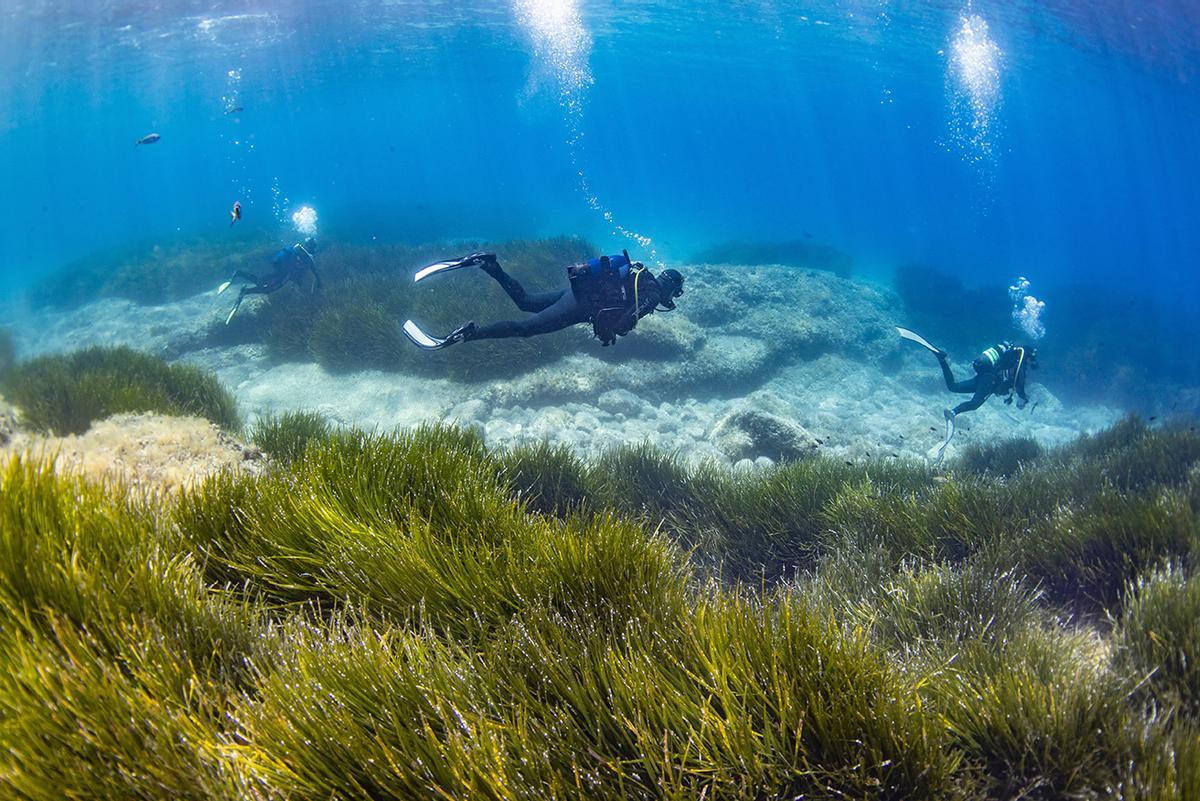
(143, 451)
(751, 432)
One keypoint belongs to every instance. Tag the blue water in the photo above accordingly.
(847, 123)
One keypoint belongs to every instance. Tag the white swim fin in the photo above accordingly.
(915, 337)
(232, 312)
(451, 264)
(223, 287)
(940, 452)
(420, 338)
(426, 342)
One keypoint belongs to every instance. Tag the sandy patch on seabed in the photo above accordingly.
(148, 452)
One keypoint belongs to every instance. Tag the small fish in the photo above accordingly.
(235, 213)
(1153, 418)
(148, 139)
(233, 110)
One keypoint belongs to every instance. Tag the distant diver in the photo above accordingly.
(289, 264)
(235, 213)
(999, 370)
(233, 110)
(148, 139)
(610, 292)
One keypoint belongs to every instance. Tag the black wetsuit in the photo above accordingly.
(560, 308)
(1007, 375)
(289, 264)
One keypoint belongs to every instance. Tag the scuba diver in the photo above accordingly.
(999, 370)
(610, 292)
(289, 264)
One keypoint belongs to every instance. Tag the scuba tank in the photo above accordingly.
(990, 358)
(601, 286)
(1012, 357)
(600, 279)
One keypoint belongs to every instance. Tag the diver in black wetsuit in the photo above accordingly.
(999, 370)
(611, 292)
(288, 264)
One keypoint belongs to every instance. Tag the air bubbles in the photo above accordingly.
(1027, 310)
(305, 221)
(279, 201)
(973, 85)
(562, 45)
(238, 145)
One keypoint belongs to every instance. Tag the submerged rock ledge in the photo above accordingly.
(807, 347)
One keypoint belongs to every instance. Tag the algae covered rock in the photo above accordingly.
(621, 401)
(65, 393)
(790, 253)
(160, 453)
(798, 314)
(750, 432)
(151, 273)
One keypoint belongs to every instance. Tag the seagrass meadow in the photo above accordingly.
(417, 616)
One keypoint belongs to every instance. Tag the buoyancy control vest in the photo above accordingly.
(607, 287)
(1005, 362)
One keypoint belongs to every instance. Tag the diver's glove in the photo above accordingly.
(1022, 403)
(1008, 402)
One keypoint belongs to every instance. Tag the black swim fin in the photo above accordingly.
(453, 264)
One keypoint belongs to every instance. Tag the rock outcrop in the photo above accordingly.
(756, 364)
(751, 433)
(150, 452)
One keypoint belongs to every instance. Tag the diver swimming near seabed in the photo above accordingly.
(289, 264)
(1000, 370)
(610, 292)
